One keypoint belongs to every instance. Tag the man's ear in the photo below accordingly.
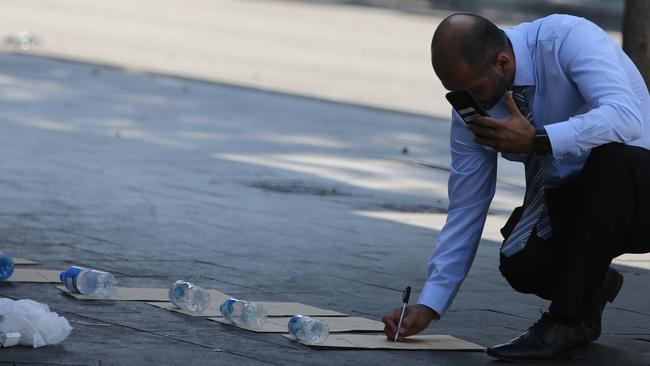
(503, 62)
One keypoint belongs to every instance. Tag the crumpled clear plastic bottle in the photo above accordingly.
(89, 282)
(33, 322)
(188, 296)
(243, 313)
(308, 330)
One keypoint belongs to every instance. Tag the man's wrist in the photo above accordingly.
(541, 142)
(432, 314)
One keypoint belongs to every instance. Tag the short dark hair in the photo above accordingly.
(479, 46)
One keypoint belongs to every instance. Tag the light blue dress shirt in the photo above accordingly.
(582, 89)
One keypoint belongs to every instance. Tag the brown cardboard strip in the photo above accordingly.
(380, 342)
(34, 275)
(126, 294)
(274, 309)
(23, 261)
(336, 324)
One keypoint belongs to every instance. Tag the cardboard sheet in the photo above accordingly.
(23, 261)
(275, 309)
(336, 324)
(379, 341)
(126, 294)
(34, 275)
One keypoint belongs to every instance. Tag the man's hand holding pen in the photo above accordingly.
(416, 319)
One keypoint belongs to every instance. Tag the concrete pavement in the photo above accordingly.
(260, 195)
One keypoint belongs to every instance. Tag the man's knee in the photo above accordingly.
(521, 275)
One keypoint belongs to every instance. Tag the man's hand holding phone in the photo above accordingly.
(510, 135)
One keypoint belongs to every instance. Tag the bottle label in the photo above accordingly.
(69, 278)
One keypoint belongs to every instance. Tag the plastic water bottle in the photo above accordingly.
(189, 297)
(243, 313)
(6, 266)
(308, 330)
(89, 282)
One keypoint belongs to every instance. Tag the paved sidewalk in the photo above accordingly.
(261, 195)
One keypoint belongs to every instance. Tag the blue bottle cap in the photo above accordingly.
(69, 278)
(294, 319)
(226, 306)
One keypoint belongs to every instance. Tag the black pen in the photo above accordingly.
(405, 300)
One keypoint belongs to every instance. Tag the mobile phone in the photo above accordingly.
(466, 104)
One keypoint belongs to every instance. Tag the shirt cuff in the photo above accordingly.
(563, 142)
(436, 297)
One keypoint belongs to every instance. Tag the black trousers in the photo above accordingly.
(596, 217)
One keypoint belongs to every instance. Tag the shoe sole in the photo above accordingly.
(576, 354)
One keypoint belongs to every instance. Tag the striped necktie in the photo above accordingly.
(535, 215)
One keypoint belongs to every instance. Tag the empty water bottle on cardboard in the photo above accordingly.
(243, 313)
(188, 296)
(89, 282)
(308, 330)
(6, 266)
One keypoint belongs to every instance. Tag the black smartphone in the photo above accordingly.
(466, 104)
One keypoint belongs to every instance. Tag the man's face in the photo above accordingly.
(497, 87)
(488, 87)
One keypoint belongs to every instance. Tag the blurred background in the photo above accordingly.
(369, 52)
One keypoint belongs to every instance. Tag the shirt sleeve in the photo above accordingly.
(594, 63)
(471, 187)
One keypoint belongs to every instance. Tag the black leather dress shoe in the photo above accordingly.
(545, 340)
(607, 292)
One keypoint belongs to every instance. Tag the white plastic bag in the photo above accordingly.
(34, 321)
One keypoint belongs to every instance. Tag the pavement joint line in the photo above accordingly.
(366, 283)
(169, 337)
(45, 364)
(629, 334)
(357, 268)
(195, 190)
(629, 310)
(366, 257)
(357, 312)
(218, 265)
(85, 236)
(426, 164)
(496, 311)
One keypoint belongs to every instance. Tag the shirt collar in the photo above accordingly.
(524, 75)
